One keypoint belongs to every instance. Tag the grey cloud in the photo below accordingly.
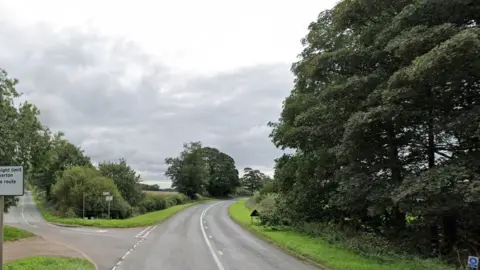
(116, 101)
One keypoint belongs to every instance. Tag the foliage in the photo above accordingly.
(326, 249)
(252, 179)
(125, 178)
(222, 175)
(187, 171)
(384, 121)
(136, 221)
(78, 185)
(147, 187)
(20, 130)
(48, 263)
(202, 169)
(55, 156)
(242, 192)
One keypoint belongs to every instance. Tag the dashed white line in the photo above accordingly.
(142, 235)
(214, 255)
(148, 232)
(143, 231)
(220, 252)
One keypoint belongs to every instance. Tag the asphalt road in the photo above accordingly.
(103, 246)
(203, 237)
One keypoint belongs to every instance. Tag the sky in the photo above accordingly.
(137, 79)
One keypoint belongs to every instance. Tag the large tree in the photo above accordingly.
(187, 171)
(222, 175)
(57, 154)
(384, 119)
(126, 179)
(252, 180)
(20, 131)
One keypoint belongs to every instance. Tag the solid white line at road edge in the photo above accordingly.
(23, 215)
(215, 257)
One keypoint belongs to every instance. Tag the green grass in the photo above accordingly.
(13, 234)
(319, 251)
(49, 263)
(137, 221)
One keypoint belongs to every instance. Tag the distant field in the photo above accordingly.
(161, 193)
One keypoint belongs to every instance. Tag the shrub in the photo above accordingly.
(152, 203)
(243, 192)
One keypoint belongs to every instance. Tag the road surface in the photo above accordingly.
(203, 237)
(103, 246)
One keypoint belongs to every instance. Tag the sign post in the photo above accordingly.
(11, 184)
(254, 213)
(109, 199)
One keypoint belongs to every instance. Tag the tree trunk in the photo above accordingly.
(398, 218)
(435, 241)
(450, 231)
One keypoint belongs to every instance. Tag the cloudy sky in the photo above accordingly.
(136, 79)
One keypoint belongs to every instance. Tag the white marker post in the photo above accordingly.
(11, 184)
(109, 199)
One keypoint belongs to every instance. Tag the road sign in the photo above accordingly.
(109, 198)
(255, 213)
(11, 181)
(106, 193)
(11, 184)
(472, 262)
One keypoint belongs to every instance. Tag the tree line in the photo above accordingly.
(66, 182)
(206, 170)
(60, 172)
(384, 121)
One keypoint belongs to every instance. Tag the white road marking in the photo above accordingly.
(89, 231)
(23, 215)
(210, 236)
(220, 252)
(143, 231)
(214, 255)
(142, 235)
(148, 232)
(206, 227)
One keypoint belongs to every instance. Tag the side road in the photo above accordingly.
(101, 246)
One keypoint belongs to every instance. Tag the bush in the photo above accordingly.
(254, 200)
(77, 185)
(151, 203)
(243, 192)
(181, 198)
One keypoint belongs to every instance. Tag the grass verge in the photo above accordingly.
(319, 251)
(137, 221)
(13, 234)
(49, 263)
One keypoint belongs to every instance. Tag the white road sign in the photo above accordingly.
(109, 198)
(11, 181)
(106, 193)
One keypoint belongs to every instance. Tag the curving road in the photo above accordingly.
(204, 237)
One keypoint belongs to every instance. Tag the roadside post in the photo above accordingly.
(254, 213)
(472, 262)
(108, 198)
(11, 184)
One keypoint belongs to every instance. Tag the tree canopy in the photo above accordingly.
(199, 169)
(384, 120)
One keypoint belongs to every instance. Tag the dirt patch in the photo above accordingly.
(36, 246)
